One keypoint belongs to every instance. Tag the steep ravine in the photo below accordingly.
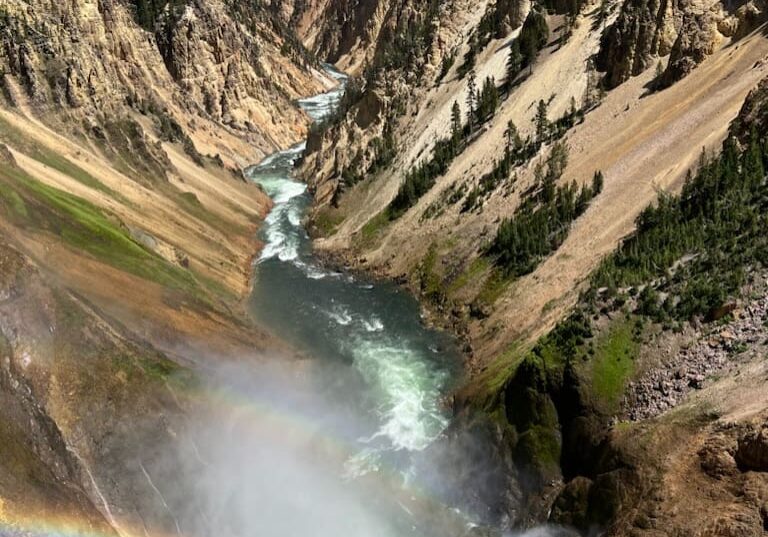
(555, 437)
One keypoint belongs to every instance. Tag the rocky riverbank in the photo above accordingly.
(740, 335)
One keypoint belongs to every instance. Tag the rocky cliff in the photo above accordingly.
(622, 92)
(687, 32)
(126, 226)
(77, 393)
(147, 112)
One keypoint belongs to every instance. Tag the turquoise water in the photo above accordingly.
(395, 370)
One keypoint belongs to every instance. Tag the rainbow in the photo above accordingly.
(244, 409)
(50, 525)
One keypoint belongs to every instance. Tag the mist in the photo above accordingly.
(266, 453)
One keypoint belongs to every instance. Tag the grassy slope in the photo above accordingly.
(35, 206)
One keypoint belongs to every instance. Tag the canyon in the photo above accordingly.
(140, 255)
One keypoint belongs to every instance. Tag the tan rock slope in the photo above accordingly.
(126, 226)
(643, 141)
(611, 422)
(148, 125)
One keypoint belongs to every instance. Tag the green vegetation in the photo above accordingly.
(374, 225)
(86, 228)
(494, 24)
(421, 180)
(431, 283)
(481, 106)
(613, 363)
(407, 45)
(689, 254)
(18, 139)
(353, 93)
(13, 200)
(533, 37)
(518, 151)
(541, 223)
(692, 252)
(471, 273)
(446, 65)
(384, 147)
(493, 286)
(327, 220)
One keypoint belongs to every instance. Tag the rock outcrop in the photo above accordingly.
(154, 108)
(643, 30)
(754, 113)
(752, 452)
(687, 31)
(212, 60)
(697, 38)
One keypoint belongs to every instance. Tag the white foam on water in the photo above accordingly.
(280, 158)
(280, 242)
(283, 224)
(340, 315)
(403, 381)
(373, 325)
(316, 273)
(409, 391)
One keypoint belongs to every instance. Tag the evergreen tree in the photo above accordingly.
(456, 125)
(488, 101)
(542, 123)
(533, 36)
(470, 58)
(513, 137)
(514, 62)
(529, 50)
(590, 92)
(471, 99)
(557, 161)
(752, 161)
(597, 183)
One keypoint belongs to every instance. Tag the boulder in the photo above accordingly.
(752, 453)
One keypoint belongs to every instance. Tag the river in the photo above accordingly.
(403, 368)
(343, 443)
(349, 441)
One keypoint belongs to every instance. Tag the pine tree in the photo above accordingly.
(529, 50)
(557, 161)
(533, 36)
(597, 183)
(488, 101)
(752, 161)
(470, 58)
(513, 137)
(591, 89)
(514, 62)
(456, 126)
(471, 99)
(542, 123)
